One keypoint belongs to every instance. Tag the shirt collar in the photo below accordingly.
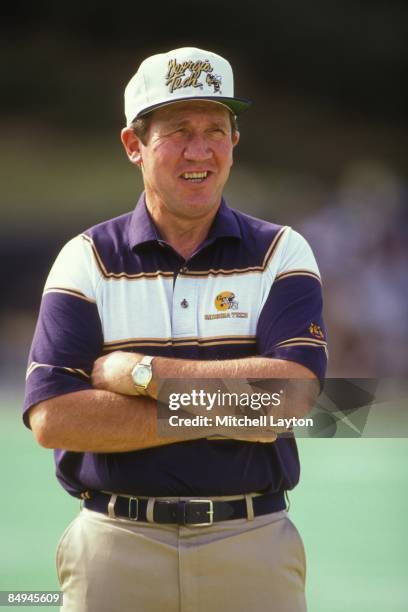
(142, 229)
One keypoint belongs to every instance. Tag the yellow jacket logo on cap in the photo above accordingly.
(215, 81)
(226, 301)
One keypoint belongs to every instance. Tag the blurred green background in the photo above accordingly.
(350, 508)
(324, 149)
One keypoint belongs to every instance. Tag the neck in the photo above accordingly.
(183, 234)
(185, 240)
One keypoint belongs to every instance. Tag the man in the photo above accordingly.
(183, 287)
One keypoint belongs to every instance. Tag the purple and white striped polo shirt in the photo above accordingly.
(251, 288)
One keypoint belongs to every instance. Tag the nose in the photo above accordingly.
(197, 148)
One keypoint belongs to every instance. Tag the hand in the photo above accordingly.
(264, 437)
(113, 372)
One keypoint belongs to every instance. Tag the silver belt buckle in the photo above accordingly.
(210, 512)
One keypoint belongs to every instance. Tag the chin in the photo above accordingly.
(198, 208)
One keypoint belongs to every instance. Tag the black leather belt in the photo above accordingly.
(193, 512)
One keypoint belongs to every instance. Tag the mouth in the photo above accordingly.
(195, 177)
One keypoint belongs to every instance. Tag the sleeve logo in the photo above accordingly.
(316, 331)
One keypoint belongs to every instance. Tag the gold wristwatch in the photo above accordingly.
(142, 374)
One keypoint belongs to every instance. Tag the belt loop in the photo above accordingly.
(149, 509)
(249, 507)
(111, 506)
(287, 501)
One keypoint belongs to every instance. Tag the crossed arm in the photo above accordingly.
(112, 417)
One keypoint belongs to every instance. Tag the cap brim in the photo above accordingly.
(236, 105)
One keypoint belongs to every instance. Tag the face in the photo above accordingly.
(186, 159)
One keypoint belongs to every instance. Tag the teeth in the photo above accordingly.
(195, 175)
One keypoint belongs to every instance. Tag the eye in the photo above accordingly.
(180, 132)
(218, 132)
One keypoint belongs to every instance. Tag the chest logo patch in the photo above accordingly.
(226, 301)
(227, 307)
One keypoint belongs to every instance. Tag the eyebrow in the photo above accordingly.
(183, 122)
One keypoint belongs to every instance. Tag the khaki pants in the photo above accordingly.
(116, 565)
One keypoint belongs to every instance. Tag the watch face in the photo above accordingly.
(143, 376)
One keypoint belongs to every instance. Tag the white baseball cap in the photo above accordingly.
(182, 74)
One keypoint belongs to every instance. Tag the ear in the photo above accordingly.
(132, 146)
(235, 141)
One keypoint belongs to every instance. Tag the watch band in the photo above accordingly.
(147, 360)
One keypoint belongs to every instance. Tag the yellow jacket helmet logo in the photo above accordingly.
(226, 301)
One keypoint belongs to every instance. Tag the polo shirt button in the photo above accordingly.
(184, 269)
(184, 303)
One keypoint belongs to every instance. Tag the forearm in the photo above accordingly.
(113, 372)
(297, 400)
(97, 421)
(249, 367)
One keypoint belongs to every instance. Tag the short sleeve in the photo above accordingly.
(68, 335)
(290, 325)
